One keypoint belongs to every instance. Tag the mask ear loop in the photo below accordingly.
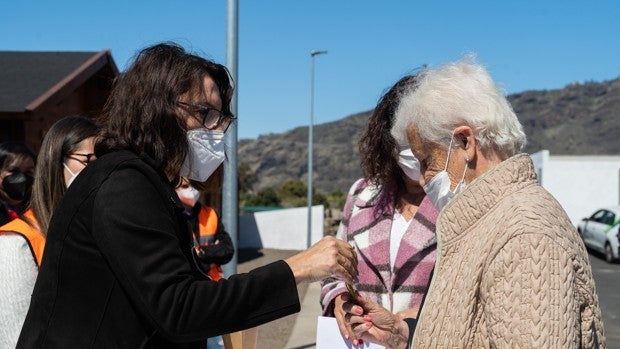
(68, 169)
(445, 168)
(464, 170)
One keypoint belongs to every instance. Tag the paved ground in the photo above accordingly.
(607, 277)
(283, 333)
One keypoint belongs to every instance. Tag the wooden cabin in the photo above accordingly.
(39, 88)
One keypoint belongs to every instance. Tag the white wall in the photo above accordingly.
(285, 229)
(582, 184)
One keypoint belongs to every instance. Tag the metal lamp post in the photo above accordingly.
(313, 53)
(230, 204)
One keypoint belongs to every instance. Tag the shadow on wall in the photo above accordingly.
(249, 236)
(248, 254)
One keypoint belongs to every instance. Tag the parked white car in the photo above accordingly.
(600, 232)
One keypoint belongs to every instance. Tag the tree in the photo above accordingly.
(319, 198)
(336, 199)
(265, 197)
(293, 193)
(293, 188)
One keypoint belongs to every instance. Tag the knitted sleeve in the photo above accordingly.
(529, 295)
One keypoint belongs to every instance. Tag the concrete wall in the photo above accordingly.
(285, 229)
(582, 184)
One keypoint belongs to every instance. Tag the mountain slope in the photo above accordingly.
(580, 119)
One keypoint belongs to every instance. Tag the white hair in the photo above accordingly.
(457, 94)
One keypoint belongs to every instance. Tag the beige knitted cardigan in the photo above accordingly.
(511, 271)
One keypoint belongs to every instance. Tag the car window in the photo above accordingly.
(598, 216)
(608, 218)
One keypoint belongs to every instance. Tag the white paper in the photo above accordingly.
(328, 336)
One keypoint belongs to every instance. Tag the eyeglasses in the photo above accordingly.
(211, 117)
(89, 157)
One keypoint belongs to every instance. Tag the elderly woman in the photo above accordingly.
(511, 271)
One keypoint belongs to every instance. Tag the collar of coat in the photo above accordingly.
(483, 193)
(371, 223)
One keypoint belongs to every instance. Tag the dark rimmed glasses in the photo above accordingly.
(211, 117)
(89, 157)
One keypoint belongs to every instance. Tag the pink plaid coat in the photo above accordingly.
(366, 224)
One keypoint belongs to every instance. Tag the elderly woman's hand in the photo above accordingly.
(340, 303)
(328, 257)
(373, 323)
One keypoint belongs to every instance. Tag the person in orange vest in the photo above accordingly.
(66, 149)
(212, 244)
(16, 175)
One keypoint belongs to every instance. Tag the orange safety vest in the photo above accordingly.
(35, 239)
(207, 227)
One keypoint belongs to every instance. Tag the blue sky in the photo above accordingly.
(526, 45)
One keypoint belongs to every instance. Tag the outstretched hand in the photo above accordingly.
(328, 257)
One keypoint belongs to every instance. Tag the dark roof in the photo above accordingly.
(25, 76)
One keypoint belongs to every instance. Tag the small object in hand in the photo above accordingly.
(352, 292)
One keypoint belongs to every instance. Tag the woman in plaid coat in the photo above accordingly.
(388, 220)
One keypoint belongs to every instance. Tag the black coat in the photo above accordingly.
(118, 271)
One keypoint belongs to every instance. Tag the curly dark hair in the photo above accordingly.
(141, 113)
(377, 147)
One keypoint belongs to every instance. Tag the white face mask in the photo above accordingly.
(73, 175)
(189, 195)
(438, 188)
(409, 164)
(206, 154)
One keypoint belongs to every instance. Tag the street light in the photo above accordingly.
(313, 53)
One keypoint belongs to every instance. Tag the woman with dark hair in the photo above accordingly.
(119, 269)
(16, 173)
(388, 220)
(67, 147)
(66, 150)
